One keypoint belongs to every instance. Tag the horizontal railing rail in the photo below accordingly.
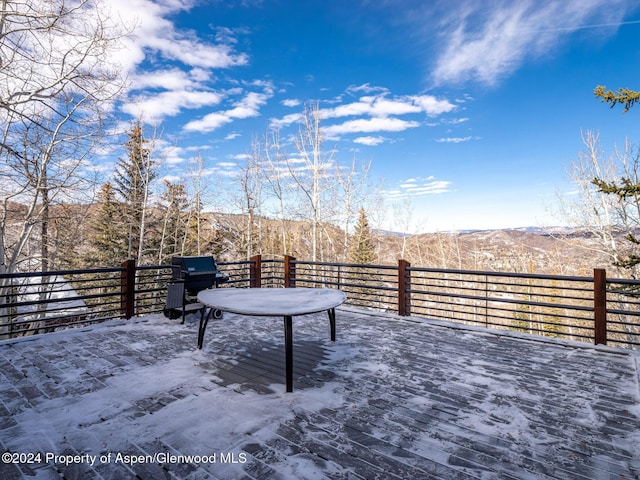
(538, 304)
(41, 302)
(623, 312)
(591, 309)
(45, 301)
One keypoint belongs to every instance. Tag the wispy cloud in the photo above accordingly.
(172, 154)
(487, 40)
(222, 170)
(366, 125)
(277, 123)
(379, 112)
(365, 88)
(291, 102)
(171, 179)
(369, 140)
(158, 34)
(383, 105)
(456, 139)
(170, 68)
(154, 107)
(248, 106)
(418, 186)
(455, 121)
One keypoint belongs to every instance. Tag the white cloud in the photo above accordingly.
(381, 106)
(419, 187)
(171, 68)
(456, 139)
(189, 50)
(197, 148)
(487, 40)
(369, 140)
(156, 33)
(153, 108)
(168, 79)
(384, 124)
(366, 88)
(248, 106)
(208, 123)
(362, 107)
(377, 113)
(431, 105)
(291, 102)
(171, 178)
(285, 121)
(238, 157)
(456, 121)
(173, 155)
(225, 169)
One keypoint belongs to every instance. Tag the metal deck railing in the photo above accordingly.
(590, 309)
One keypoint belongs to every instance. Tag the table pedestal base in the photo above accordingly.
(288, 339)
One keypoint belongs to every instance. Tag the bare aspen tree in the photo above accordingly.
(56, 85)
(606, 217)
(197, 193)
(149, 174)
(203, 189)
(378, 215)
(448, 247)
(403, 215)
(352, 192)
(310, 178)
(250, 180)
(275, 166)
(57, 82)
(174, 205)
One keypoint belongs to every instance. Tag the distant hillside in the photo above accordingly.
(527, 250)
(557, 251)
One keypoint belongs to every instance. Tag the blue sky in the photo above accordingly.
(470, 111)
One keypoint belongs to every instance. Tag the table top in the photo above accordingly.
(272, 301)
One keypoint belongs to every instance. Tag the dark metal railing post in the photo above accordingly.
(128, 289)
(404, 285)
(486, 301)
(255, 272)
(600, 306)
(289, 272)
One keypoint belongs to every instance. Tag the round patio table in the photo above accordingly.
(272, 302)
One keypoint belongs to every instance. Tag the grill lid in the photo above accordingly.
(192, 265)
(198, 273)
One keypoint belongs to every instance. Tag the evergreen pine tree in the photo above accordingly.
(133, 177)
(175, 223)
(108, 246)
(627, 190)
(69, 227)
(362, 250)
(624, 96)
(362, 253)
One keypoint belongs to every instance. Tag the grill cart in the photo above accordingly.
(191, 275)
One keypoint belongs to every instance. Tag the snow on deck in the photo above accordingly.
(389, 399)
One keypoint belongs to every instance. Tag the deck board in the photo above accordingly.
(392, 398)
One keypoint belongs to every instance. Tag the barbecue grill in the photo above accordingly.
(191, 275)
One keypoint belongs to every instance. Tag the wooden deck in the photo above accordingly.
(391, 399)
